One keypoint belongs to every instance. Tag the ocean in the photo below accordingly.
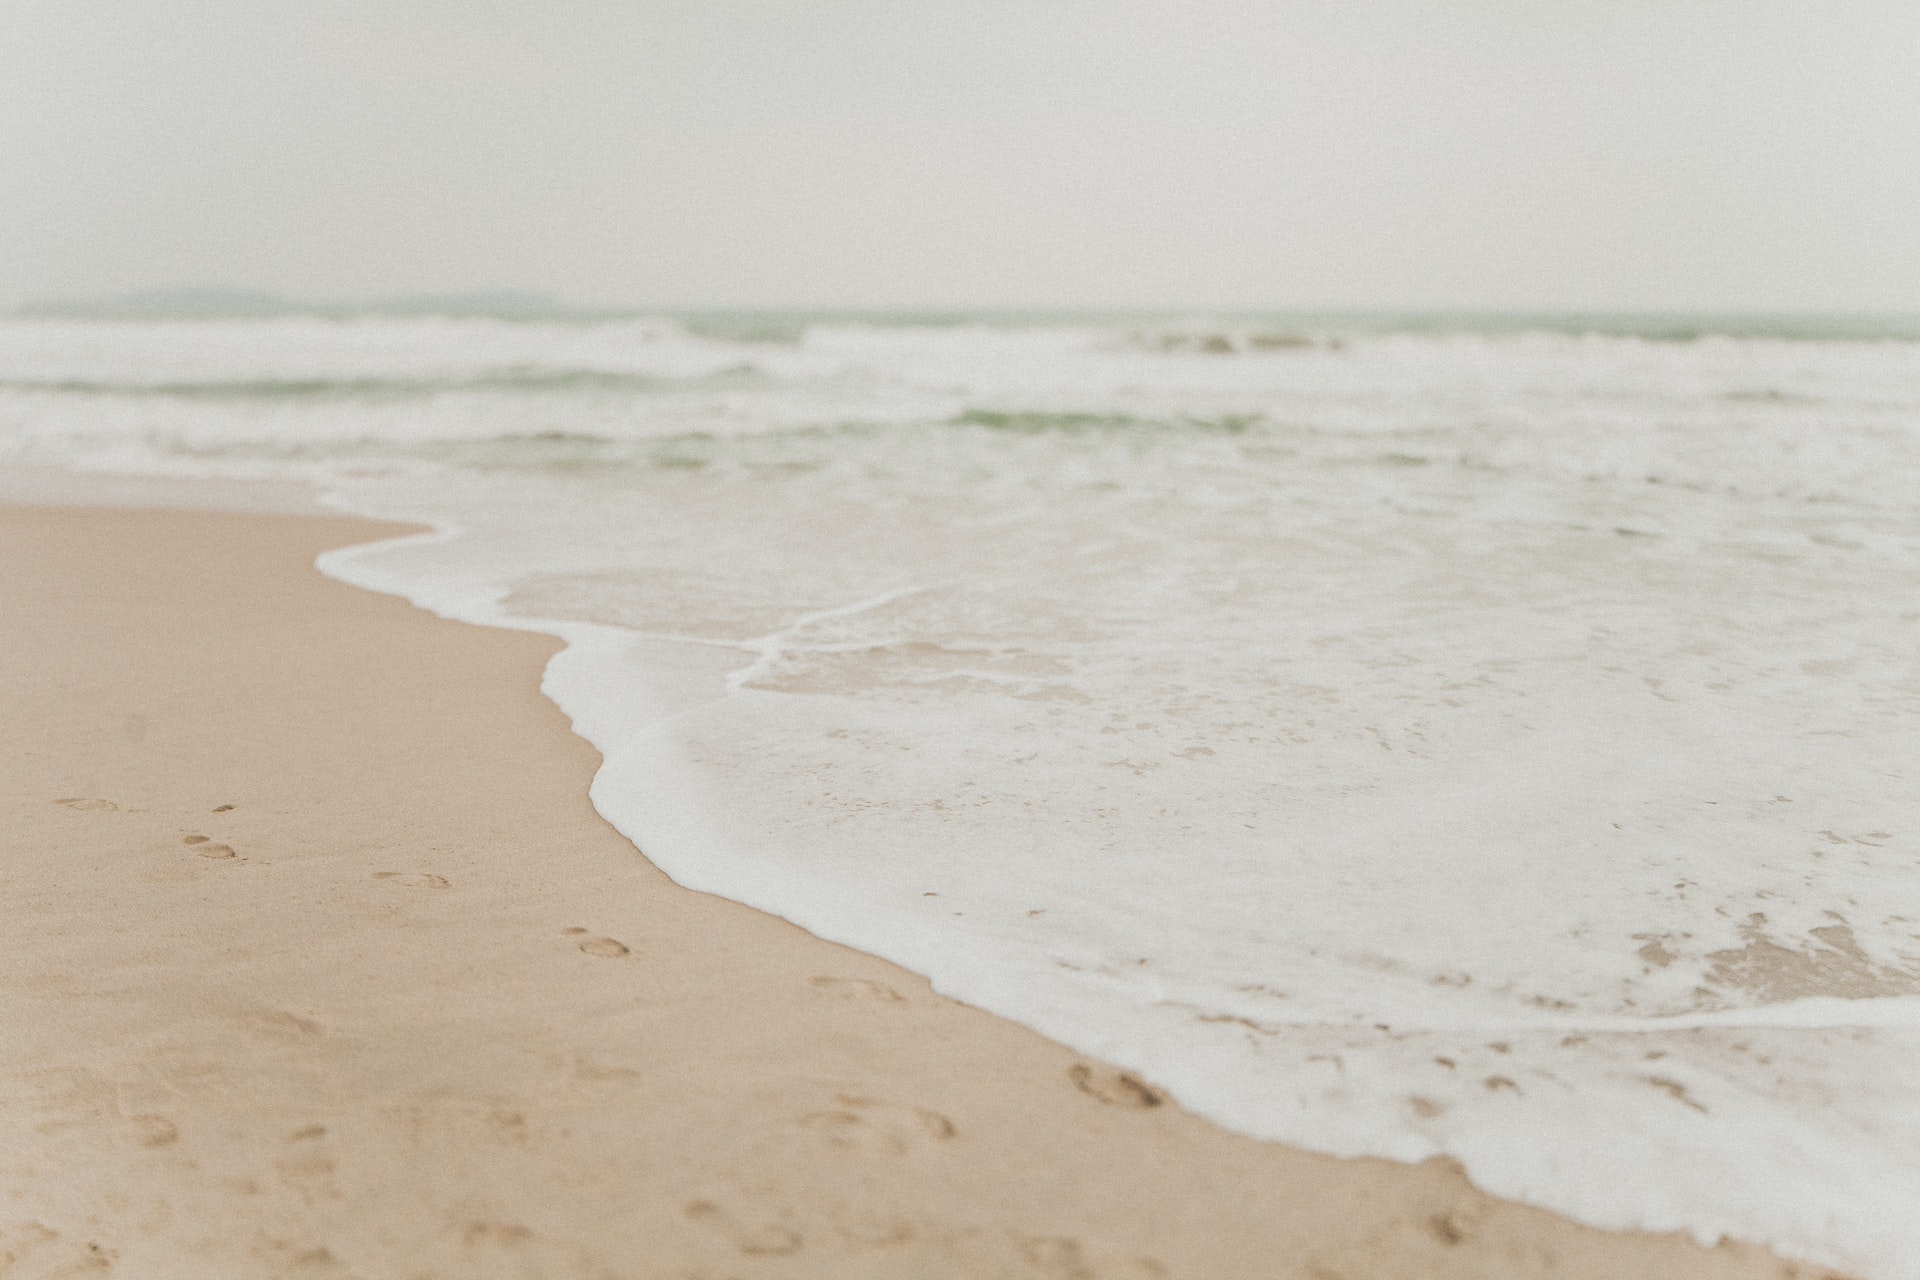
(1496, 737)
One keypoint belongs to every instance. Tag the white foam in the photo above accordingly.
(1492, 746)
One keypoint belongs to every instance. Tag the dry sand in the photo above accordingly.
(316, 962)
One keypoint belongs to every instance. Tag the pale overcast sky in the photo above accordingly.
(1565, 154)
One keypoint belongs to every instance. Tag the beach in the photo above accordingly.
(319, 962)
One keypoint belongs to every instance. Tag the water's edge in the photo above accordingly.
(673, 834)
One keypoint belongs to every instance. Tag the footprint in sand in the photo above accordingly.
(1115, 1088)
(84, 803)
(208, 848)
(876, 1127)
(414, 879)
(42, 1251)
(611, 948)
(1458, 1225)
(765, 1240)
(857, 989)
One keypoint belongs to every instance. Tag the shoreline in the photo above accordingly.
(323, 964)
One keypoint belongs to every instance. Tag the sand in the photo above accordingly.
(316, 962)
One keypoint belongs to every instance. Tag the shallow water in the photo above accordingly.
(1492, 743)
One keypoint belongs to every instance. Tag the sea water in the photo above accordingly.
(1492, 740)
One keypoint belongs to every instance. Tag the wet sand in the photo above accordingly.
(316, 962)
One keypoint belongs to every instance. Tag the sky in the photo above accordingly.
(1463, 154)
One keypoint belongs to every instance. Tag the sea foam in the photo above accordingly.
(1491, 744)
